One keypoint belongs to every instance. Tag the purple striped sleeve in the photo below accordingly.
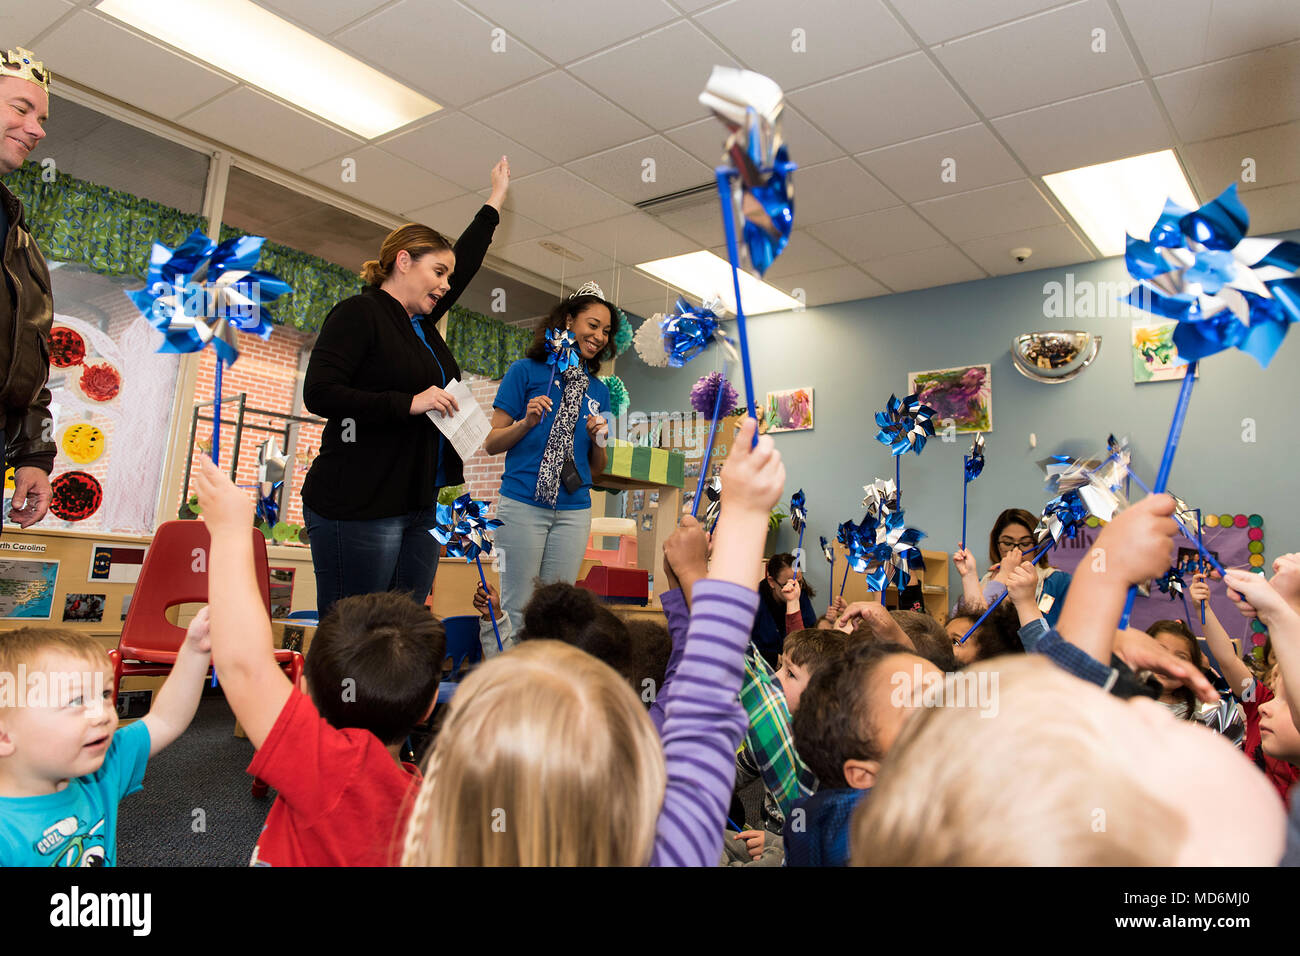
(679, 615)
(703, 725)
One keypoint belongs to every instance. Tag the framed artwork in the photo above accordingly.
(963, 395)
(1155, 357)
(789, 411)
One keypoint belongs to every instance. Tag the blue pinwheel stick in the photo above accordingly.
(724, 175)
(465, 529)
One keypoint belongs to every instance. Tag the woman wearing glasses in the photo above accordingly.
(1011, 542)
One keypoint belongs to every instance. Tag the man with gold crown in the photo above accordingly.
(26, 304)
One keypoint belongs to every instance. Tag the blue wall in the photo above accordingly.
(854, 354)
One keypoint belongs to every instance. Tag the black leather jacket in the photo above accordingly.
(26, 314)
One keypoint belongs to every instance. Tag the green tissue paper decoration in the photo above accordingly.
(618, 398)
(623, 337)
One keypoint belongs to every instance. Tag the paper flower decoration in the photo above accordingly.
(618, 398)
(974, 462)
(623, 337)
(1224, 290)
(750, 105)
(905, 425)
(689, 330)
(798, 511)
(203, 292)
(464, 527)
(704, 394)
(561, 349)
(649, 342)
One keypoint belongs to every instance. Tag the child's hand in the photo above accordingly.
(1022, 582)
(964, 562)
(1010, 562)
(791, 592)
(753, 478)
(1271, 606)
(1286, 578)
(199, 631)
(686, 551)
(754, 840)
(1199, 589)
(877, 617)
(838, 607)
(225, 507)
(481, 601)
(1138, 544)
(1142, 652)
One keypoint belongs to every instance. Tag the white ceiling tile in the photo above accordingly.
(265, 128)
(322, 16)
(633, 285)
(1091, 129)
(837, 36)
(531, 255)
(560, 118)
(567, 29)
(463, 150)
(673, 98)
(516, 228)
(940, 165)
(560, 200)
(643, 170)
(828, 286)
(1040, 60)
(1272, 152)
(884, 104)
(633, 238)
(1231, 96)
(76, 49)
(448, 217)
(924, 269)
(21, 21)
(803, 253)
(938, 20)
(442, 49)
(1053, 246)
(878, 234)
(1275, 209)
(705, 139)
(644, 308)
(383, 180)
(834, 190)
(701, 224)
(1174, 34)
(991, 211)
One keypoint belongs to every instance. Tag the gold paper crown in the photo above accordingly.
(24, 65)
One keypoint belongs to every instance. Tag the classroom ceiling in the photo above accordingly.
(885, 90)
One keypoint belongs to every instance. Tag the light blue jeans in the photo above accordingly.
(537, 543)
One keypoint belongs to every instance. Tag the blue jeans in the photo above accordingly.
(363, 557)
(535, 543)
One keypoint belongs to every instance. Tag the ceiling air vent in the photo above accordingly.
(693, 198)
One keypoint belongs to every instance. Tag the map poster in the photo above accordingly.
(27, 589)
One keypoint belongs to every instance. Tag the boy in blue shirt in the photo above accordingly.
(63, 766)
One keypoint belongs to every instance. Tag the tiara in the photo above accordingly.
(589, 288)
(24, 65)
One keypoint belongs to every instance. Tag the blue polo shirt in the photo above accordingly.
(524, 380)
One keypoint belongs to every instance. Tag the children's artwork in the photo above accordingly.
(638, 500)
(789, 411)
(1155, 357)
(281, 591)
(27, 588)
(961, 395)
(88, 608)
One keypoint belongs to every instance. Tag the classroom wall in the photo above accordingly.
(854, 354)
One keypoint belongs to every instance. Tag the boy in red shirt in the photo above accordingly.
(372, 673)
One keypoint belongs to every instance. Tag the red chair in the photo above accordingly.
(175, 572)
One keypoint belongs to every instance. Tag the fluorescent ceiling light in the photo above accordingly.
(704, 275)
(243, 39)
(1127, 195)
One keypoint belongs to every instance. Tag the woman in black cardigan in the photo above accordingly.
(377, 367)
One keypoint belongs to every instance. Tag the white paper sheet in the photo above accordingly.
(467, 429)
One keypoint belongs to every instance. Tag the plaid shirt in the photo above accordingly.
(770, 740)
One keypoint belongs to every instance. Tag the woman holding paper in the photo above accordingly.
(377, 368)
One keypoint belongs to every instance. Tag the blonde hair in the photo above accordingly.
(1043, 782)
(417, 240)
(28, 645)
(547, 758)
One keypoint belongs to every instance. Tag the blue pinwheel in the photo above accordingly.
(268, 506)
(203, 293)
(828, 553)
(466, 530)
(844, 535)
(1173, 584)
(689, 330)
(904, 426)
(870, 555)
(798, 515)
(905, 556)
(972, 468)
